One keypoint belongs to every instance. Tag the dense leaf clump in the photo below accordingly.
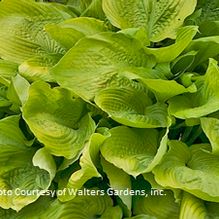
(109, 109)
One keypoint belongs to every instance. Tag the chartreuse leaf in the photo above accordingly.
(154, 185)
(16, 161)
(204, 101)
(129, 104)
(165, 89)
(206, 47)
(210, 127)
(193, 169)
(134, 150)
(90, 65)
(23, 38)
(38, 67)
(41, 205)
(44, 160)
(161, 207)
(137, 33)
(82, 207)
(10, 132)
(18, 92)
(192, 207)
(22, 35)
(67, 33)
(169, 53)
(159, 18)
(120, 184)
(88, 162)
(7, 70)
(57, 119)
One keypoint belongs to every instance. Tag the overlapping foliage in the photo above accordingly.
(109, 94)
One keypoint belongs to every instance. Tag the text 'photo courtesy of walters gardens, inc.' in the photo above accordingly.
(109, 109)
(82, 192)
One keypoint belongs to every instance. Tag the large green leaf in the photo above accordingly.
(192, 207)
(149, 177)
(159, 18)
(134, 150)
(169, 53)
(161, 207)
(206, 47)
(137, 33)
(22, 34)
(83, 207)
(204, 101)
(194, 170)
(165, 89)
(57, 119)
(38, 67)
(129, 104)
(88, 162)
(67, 33)
(91, 64)
(16, 161)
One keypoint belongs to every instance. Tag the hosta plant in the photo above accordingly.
(109, 109)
